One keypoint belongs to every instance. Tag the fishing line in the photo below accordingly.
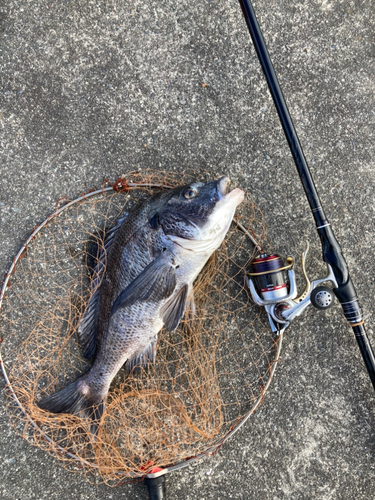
(40, 352)
(338, 272)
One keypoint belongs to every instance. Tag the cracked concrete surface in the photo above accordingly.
(87, 84)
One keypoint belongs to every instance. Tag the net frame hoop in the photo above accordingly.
(59, 449)
(213, 449)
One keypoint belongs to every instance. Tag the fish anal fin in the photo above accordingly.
(157, 281)
(173, 310)
(143, 358)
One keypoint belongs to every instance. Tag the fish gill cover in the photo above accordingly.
(207, 377)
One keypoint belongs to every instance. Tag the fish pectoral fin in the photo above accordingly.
(143, 358)
(157, 281)
(173, 310)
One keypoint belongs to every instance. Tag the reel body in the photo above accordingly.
(272, 284)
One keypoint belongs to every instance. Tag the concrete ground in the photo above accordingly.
(86, 84)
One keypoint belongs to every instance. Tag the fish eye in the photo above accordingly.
(190, 192)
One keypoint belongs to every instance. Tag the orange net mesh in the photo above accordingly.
(204, 382)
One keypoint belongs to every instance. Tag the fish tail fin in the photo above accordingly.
(76, 398)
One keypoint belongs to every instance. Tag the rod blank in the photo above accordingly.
(332, 254)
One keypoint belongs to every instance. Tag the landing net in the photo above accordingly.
(206, 380)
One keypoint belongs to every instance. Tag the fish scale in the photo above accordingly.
(144, 281)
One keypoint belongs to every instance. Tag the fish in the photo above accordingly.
(143, 281)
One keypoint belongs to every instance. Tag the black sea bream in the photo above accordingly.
(146, 275)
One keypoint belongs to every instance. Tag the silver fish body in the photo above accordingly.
(144, 281)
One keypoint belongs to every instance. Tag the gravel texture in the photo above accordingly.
(91, 89)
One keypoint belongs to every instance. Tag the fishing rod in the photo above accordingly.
(267, 279)
(272, 281)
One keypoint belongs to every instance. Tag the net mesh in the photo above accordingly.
(205, 380)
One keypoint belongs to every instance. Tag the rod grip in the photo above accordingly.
(156, 487)
(345, 291)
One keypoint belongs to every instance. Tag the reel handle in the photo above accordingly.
(332, 255)
(270, 287)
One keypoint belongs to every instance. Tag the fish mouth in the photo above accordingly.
(223, 185)
(236, 196)
(223, 189)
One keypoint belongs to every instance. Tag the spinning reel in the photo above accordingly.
(272, 284)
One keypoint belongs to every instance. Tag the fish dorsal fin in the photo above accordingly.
(142, 358)
(87, 326)
(173, 310)
(87, 330)
(156, 282)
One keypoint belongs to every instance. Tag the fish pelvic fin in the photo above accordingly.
(173, 310)
(76, 399)
(190, 311)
